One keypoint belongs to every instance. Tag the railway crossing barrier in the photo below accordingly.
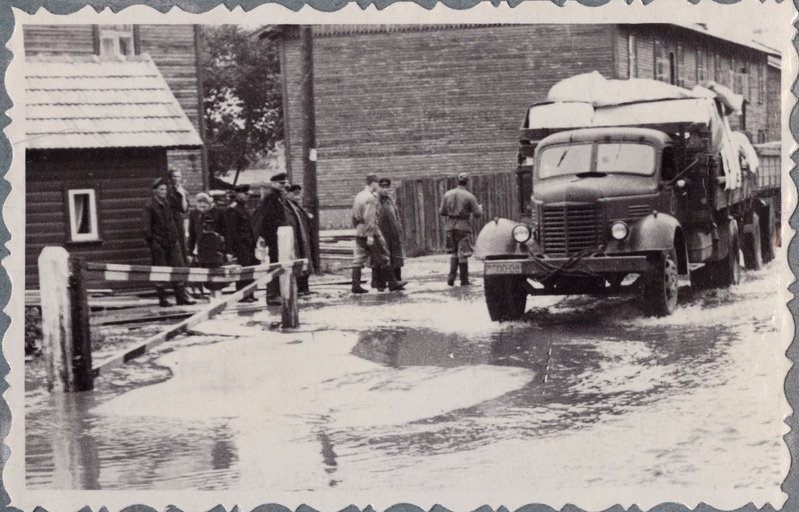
(65, 311)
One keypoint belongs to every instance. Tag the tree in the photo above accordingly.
(242, 100)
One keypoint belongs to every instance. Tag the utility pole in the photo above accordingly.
(309, 155)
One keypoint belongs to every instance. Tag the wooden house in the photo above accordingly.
(100, 127)
(417, 101)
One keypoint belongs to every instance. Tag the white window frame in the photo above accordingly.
(94, 232)
(115, 33)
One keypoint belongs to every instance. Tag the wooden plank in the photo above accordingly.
(121, 272)
(206, 313)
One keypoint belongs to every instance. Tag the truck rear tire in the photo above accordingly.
(727, 272)
(661, 286)
(506, 297)
(768, 236)
(753, 245)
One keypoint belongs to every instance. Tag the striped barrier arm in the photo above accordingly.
(204, 314)
(120, 272)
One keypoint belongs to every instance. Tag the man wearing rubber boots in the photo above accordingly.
(458, 207)
(370, 247)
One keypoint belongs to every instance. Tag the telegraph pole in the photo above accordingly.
(309, 154)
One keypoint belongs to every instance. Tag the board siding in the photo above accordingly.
(122, 180)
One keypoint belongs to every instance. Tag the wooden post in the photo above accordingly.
(81, 336)
(288, 280)
(65, 326)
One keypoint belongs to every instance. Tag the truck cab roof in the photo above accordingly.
(626, 134)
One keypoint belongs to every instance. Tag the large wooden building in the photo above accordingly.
(414, 101)
(108, 109)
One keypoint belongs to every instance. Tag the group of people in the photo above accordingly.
(233, 235)
(237, 234)
(378, 233)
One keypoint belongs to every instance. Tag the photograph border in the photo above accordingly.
(7, 27)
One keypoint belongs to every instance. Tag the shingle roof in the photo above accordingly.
(88, 102)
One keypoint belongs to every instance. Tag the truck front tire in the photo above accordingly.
(506, 297)
(661, 285)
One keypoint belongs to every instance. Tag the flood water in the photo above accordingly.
(420, 391)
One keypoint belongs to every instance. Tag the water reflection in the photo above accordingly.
(585, 373)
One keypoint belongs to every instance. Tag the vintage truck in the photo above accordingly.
(624, 186)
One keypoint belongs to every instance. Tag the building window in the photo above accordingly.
(761, 136)
(116, 40)
(82, 215)
(701, 66)
(761, 84)
(680, 74)
(632, 56)
(662, 63)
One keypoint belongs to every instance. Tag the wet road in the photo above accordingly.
(418, 396)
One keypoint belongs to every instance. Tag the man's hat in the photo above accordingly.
(281, 176)
(242, 188)
(371, 178)
(384, 181)
(160, 181)
(295, 188)
(464, 176)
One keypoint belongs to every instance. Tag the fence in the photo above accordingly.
(419, 199)
(65, 311)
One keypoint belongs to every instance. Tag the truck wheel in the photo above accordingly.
(768, 235)
(661, 285)
(506, 297)
(727, 272)
(753, 246)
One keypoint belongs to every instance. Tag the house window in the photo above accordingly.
(661, 62)
(761, 81)
(82, 215)
(680, 75)
(701, 66)
(632, 57)
(116, 40)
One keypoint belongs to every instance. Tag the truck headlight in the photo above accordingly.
(521, 233)
(619, 230)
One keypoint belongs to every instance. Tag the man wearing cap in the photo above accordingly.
(458, 207)
(369, 243)
(305, 243)
(239, 234)
(390, 225)
(178, 200)
(272, 216)
(162, 236)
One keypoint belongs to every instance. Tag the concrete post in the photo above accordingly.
(288, 281)
(65, 322)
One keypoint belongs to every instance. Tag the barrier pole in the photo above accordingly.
(65, 321)
(288, 280)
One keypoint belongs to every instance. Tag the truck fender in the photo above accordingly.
(495, 239)
(659, 232)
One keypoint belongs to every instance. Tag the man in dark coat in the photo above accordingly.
(239, 234)
(305, 245)
(273, 215)
(161, 233)
(390, 225)
(178, 200)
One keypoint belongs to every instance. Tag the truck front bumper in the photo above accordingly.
(535, 268)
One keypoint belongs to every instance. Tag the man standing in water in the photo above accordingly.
(369, 243)
(458, 208)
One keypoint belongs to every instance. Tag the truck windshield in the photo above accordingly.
(611, 158)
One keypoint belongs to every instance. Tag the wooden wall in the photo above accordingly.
(172, 48)
(426, 102)
(122, 180)
(723, 60)
(419, 199)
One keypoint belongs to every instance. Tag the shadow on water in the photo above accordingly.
(584, 372)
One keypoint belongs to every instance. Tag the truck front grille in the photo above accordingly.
(569, 229)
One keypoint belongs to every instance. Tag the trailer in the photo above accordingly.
(625, 185)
